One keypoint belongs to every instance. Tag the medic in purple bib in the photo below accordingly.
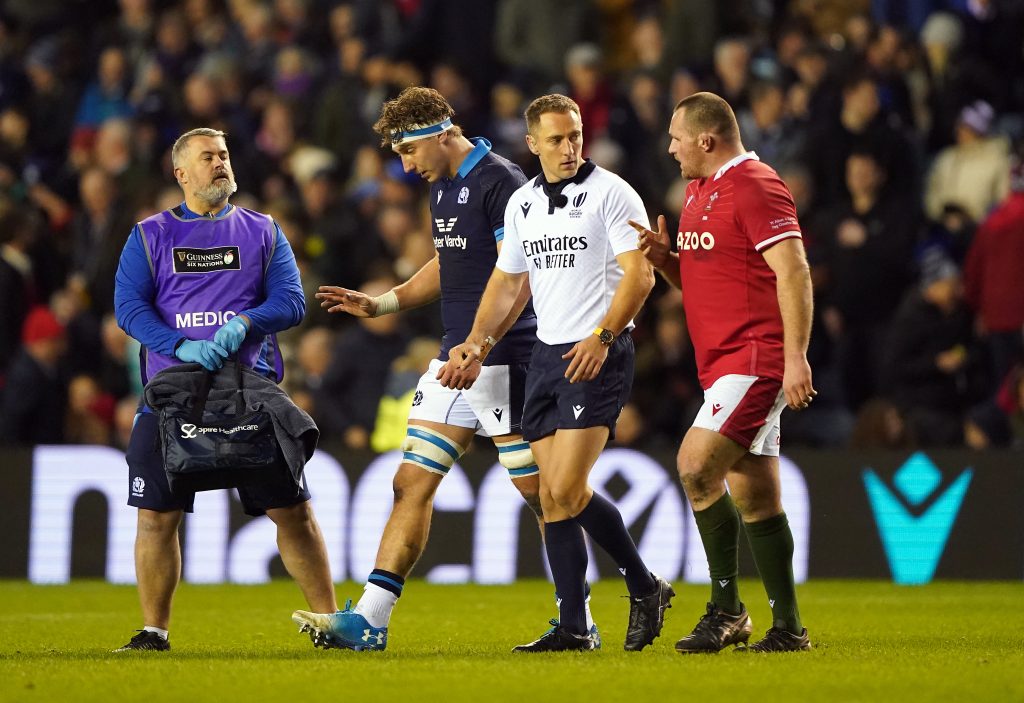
(198, 283)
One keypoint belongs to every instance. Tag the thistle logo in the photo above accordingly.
(914, 536)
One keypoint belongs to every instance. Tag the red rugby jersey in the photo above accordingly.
(732, 308)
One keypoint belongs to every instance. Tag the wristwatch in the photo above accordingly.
(606, 336)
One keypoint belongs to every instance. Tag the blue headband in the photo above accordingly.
(411, 135)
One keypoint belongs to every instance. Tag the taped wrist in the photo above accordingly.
(385, 304)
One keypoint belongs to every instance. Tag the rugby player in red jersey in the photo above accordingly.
(746, 290)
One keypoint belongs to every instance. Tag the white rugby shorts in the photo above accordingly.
(747, 410)
(486, 407)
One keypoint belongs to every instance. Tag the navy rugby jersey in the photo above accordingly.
(468, 220)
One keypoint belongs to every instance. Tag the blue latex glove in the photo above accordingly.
(232, 334)
(209, 355)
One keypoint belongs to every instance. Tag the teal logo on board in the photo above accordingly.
(914, 536)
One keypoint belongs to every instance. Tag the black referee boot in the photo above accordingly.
(559, 639)
(647, 615)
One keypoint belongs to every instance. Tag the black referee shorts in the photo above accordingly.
(552, 403)
(148, 488)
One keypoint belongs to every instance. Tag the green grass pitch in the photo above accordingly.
(873, 642)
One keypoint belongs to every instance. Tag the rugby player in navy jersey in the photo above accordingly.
(469, 189)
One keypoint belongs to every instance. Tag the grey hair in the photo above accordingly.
(181, 143)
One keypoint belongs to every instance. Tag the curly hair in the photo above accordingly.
(414, 107)
(549, 103)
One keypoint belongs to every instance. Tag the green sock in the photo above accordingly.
(719, 527)
(771, 541)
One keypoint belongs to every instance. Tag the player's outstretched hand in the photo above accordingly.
(588, 356)
(463, 366)
(338, 299)
(654, 245)
(797, 385)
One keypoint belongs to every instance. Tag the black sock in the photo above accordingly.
(387, 580)
(719, 527)
(603, 523)
(567, 557)
(771, 541)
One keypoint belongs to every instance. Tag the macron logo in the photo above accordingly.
(915, 519)
(715, 408)
(577, 410)
(497, 414)
(525, 207)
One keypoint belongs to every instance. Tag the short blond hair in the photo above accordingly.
(555, 102)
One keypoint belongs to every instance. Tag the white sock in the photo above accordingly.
(157, 630)
(376, 605)
(590, 618)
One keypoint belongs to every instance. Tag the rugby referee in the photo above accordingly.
(568, 231)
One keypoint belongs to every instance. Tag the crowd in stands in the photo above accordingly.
(894, 123)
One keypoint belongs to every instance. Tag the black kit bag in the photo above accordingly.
(211, 451)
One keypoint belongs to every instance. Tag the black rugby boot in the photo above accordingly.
(779, 640)
(716, 631)
(146, 641)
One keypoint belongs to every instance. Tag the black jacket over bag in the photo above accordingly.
(226, 429)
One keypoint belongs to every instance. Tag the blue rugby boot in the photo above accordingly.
(345, 629)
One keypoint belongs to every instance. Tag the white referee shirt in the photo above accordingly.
(570, 254)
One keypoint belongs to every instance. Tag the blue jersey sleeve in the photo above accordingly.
(285, 304)
(134, 293)
(496, 198)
